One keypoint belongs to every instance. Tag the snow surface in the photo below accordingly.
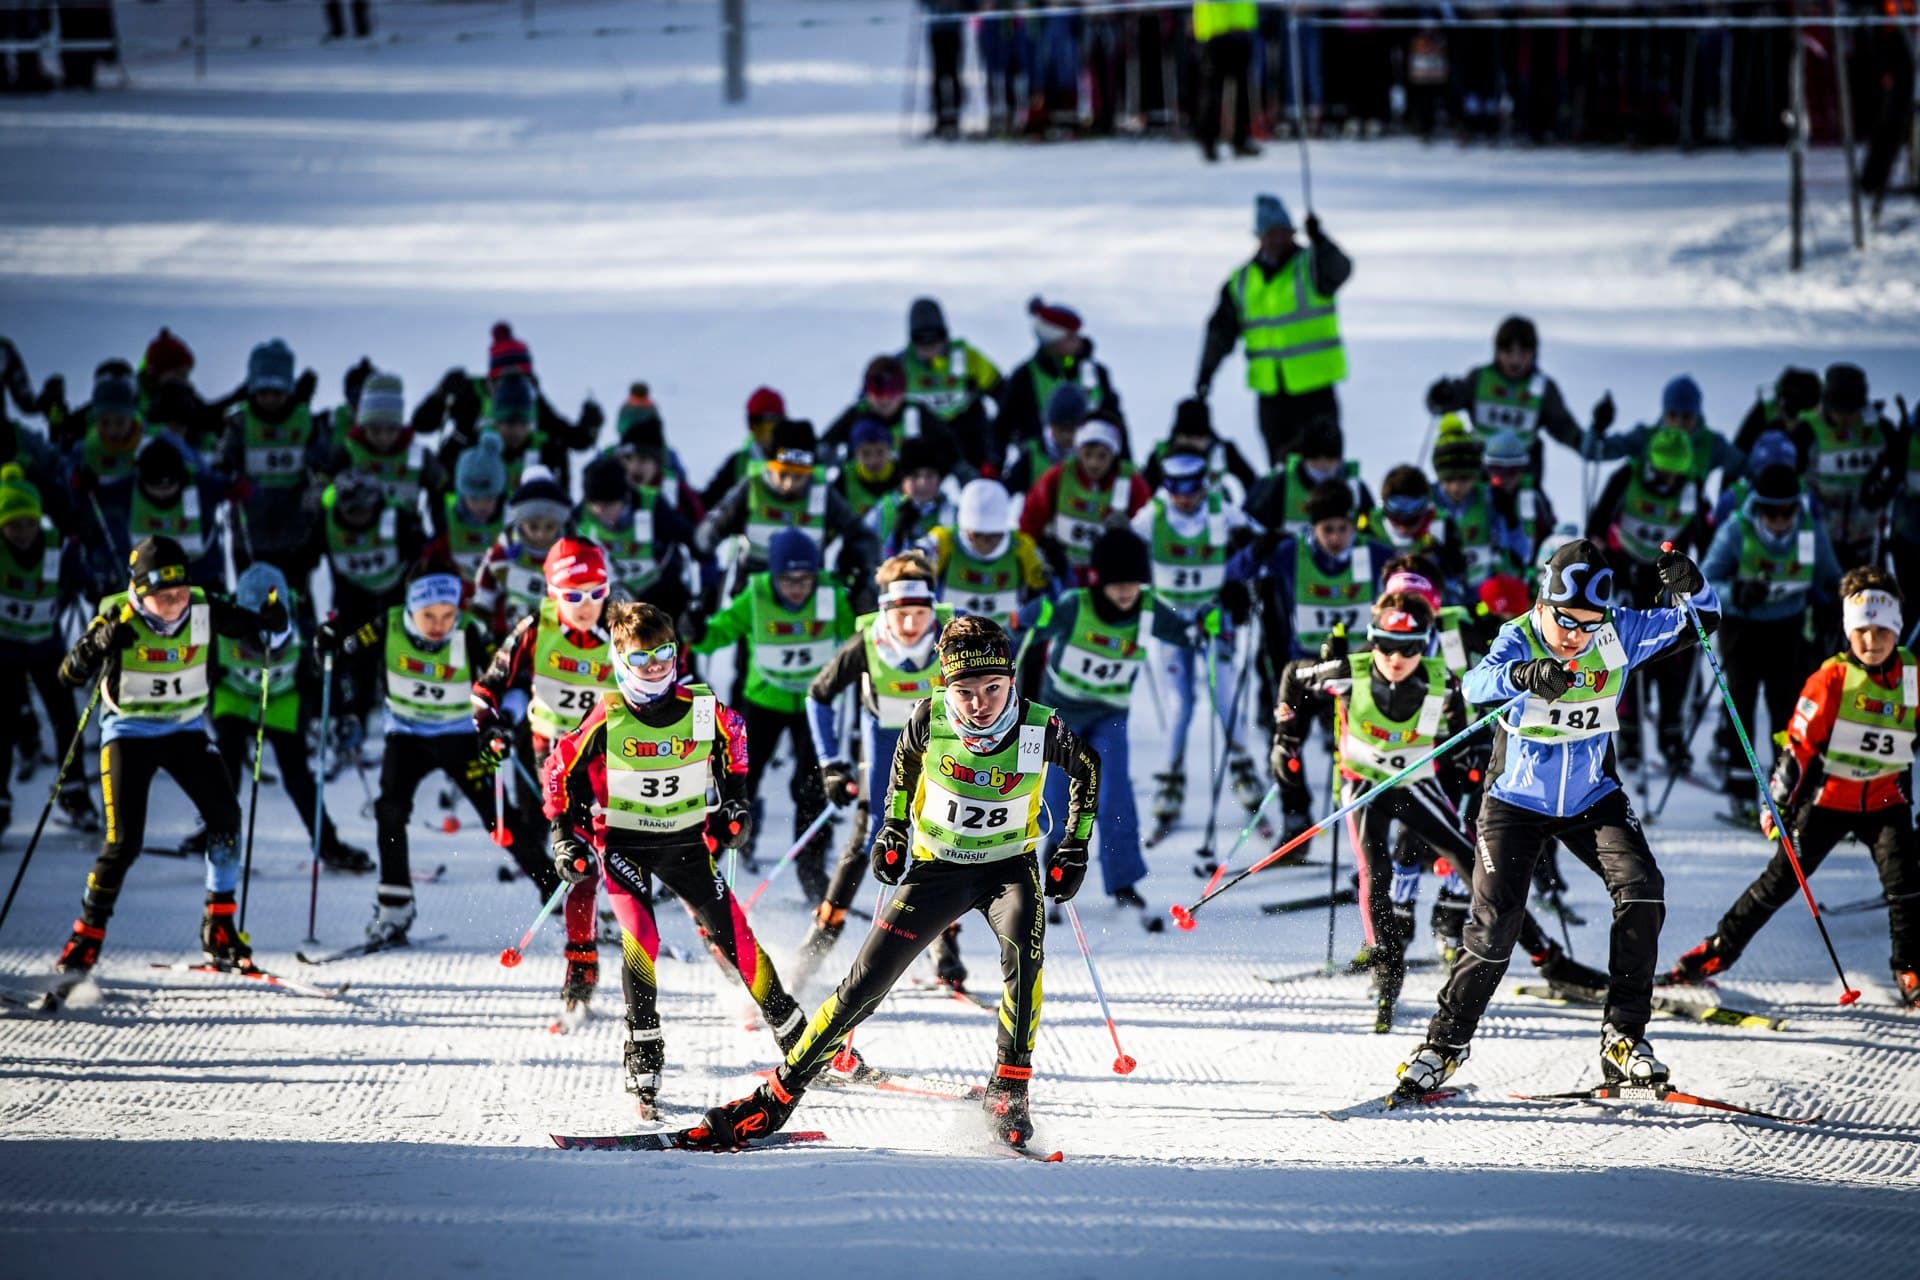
(396, 201)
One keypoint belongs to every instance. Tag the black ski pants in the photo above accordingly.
(1606, 837)
(1757, 655)
(18, 669)
(932, 896)
(409, 760)
(127, 768)
(233, 736)
(1889, 837)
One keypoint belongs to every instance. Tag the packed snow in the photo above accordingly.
(394, 201)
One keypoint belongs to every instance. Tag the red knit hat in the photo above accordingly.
(1504, 596)
(167, 354)
(1052, 322)
(765, 402)
(507, 354)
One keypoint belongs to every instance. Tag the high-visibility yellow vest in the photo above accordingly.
(1216, 19)
(1289, 330)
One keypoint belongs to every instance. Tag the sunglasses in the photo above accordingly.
(582, 597)
(1568, 623)
(638, 658)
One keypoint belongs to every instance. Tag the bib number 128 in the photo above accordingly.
(975, 817)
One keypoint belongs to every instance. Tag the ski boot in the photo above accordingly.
(1703, 962)
(1431, 1066)
(1673, 749)
(643, 1058)
(1629, 1060)
(1247, 788)
(1168, 798)
(337, 855)
(947, 969)
(1006, 1105)
(76, 809)
(1907, 983)
(82, 951)
(734, 1124)
(1130, 897)
(392, 916)
(1389, 974)
(220, 936)
(583, 976)
(1448, 920)
(1562, 970)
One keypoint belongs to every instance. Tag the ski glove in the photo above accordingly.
(1542, 677)
(1603, 414)
(837, 777)
(1334, 647)
(1449, 395)
(892, 851)
(1066, 868)
(493, 747)
(1749, 595)
(574, 861)
(332, 637)
(734, 824)
(1678, 574)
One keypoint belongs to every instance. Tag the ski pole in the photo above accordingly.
(1123, 1064)
(512, 955)
(813, 829)
(1183, 916)
(1220, 868)
(1153, 687)
(1229, 724)
(66, 763)
(320, 790)
(1299, 112)
(259, 749)
(1333, 845)
(501, 836)
(1848, 994)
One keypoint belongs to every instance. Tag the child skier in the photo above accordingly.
(962, 825)
(1189, 530)
(626, 793)
(1395, 703)
(1847, 770)
(511, 581)
(1094, 650)
(1079, 497)
(541, 683)
(152, 646)
(1552, 777)
(983, 564)
(891, 657)
(473, 513)
(791, 621)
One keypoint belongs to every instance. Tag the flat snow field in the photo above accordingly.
(395, 202)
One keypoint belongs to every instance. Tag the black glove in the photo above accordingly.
(1542, 677)
(1236, 600)
(1749, 595)
(1679, 574)
(494, 746)
(733, 824)
(1313, 226)
(53, 394)
(121, 634)
(592, 416)
(452, 384)
(1603, 414)
(305, 385)
(1066, 868)
(333, 637)
(692, 628)
(892, 851)
(1449, 395)
(841, 787)
(273, 617)
(356, 378)
(1334, 647)
(574, 861)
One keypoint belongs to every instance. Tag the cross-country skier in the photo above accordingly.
(1552, 777)
(963, 823)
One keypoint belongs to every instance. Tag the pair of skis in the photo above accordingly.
(1698, 1011)
(48, 993)
(1411, 1100)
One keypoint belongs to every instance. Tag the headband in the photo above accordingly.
(1871, 609)
(433, 588)
(907, 591)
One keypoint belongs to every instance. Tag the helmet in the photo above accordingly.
(573, 564)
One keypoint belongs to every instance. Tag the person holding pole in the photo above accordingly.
(1552, 777)
(1847, 770)
(1280, 308)
(626, 794)
(152, 647)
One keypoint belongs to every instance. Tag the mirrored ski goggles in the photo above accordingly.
(641, 658)
(578, 596)
(1406, 508)
(1402, 644)
(1569, 623)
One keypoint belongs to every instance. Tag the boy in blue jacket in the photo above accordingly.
(1553, 777)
